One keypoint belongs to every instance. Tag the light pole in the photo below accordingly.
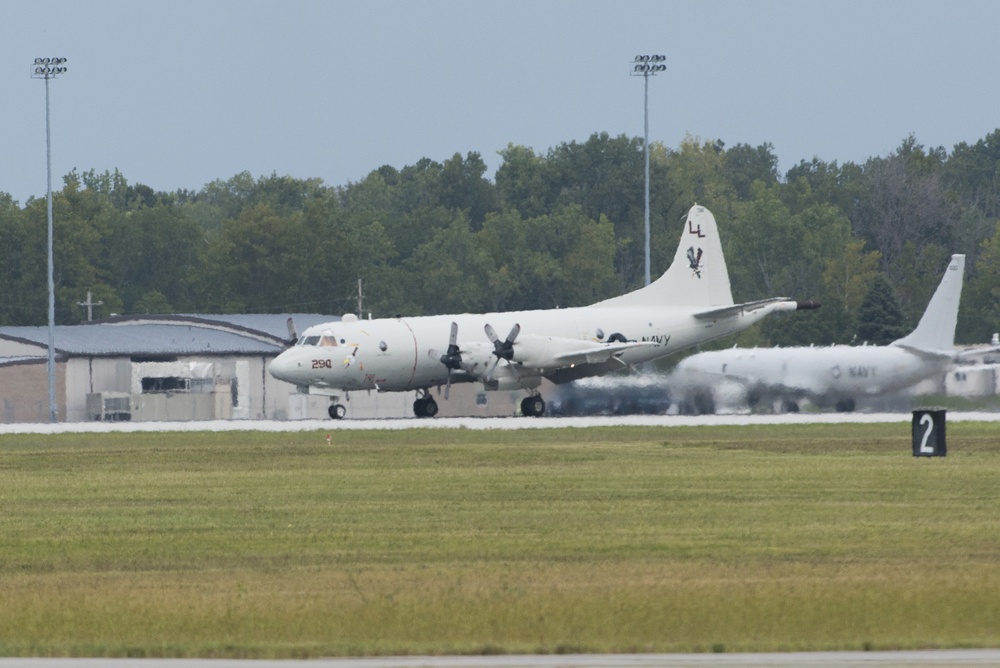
(646, 66)
(48, 68)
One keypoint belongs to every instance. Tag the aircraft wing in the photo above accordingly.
(599, 352)
(780, 304)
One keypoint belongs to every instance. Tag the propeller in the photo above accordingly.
(452, 358)
(504, 350)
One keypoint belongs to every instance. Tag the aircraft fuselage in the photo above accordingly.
(823, 373)
(393, 354)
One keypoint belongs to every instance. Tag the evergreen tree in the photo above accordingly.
(880, 319)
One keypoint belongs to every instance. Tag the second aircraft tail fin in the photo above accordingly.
(936, 330)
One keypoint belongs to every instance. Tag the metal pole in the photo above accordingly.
(647, 66)
(645, 146)
(48, 68)
(52, 288)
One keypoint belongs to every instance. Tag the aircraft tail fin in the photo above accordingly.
(698, 274)
(936, 330)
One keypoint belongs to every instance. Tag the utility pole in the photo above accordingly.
(361, 298)
(646, 66)
(48, 68)
(90, 304)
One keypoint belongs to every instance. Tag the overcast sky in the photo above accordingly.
(179, 93)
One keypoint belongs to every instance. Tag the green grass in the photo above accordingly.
(263, 545)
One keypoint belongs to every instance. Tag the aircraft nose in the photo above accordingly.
(284, 366)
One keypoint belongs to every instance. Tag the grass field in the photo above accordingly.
(243, 544)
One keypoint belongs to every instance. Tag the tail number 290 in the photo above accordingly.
(322, 364)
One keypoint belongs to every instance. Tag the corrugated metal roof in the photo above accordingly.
(142, 339)
(272, 325)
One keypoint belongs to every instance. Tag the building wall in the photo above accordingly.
(24, 392)
(10, 348)
(90, 375)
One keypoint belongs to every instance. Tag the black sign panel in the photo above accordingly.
(928, 433)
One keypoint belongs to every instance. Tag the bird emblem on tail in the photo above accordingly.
(694, 259)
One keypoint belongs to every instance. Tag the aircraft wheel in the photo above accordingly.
(336, 411)
(430, 407)
(704, 403)
(425, 407)
(845, 406)
(533, 406)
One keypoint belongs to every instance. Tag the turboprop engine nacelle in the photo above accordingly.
(506, 378)
(538, 352)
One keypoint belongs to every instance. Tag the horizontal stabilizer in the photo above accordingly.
(780, 304)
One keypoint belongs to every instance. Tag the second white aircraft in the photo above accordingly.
(690, 303)
(831, 375)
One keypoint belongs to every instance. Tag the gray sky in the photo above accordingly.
(178, 93)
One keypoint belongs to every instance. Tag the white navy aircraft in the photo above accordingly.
(831, 375)
(689, 304)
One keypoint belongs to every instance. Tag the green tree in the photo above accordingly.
(255, 265)
(449, 273)
(465, 188)
(153, 250)
(604, 177)
(849, 274)
(525, 182)
(560, 260)
(905, 201)
(880, 319)
(979, 312)
(744, 165)
(763, 240)
(152, 302)
(22, 264)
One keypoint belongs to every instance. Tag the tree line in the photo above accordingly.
(556, 229)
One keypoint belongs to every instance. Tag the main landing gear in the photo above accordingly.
(425, 406)
(533, 406)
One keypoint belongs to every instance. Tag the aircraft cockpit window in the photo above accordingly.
(310, 340)
(328, 340)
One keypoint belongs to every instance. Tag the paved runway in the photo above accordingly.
(484, 423)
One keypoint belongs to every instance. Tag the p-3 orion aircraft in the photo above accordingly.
(691, 303)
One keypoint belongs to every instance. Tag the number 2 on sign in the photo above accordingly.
(929, 421)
